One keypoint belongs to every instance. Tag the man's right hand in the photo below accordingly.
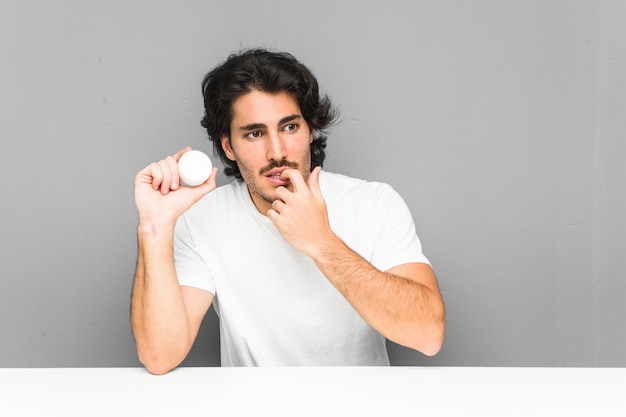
(159, 196)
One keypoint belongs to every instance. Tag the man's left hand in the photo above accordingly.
(300, 215)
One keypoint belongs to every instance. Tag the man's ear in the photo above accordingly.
(227, 148)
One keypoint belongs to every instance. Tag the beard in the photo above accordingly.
(265, 192)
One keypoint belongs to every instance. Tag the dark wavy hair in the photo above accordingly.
(271, 72)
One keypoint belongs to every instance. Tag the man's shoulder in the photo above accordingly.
(335, 184)
(228, 190)
(224, 197)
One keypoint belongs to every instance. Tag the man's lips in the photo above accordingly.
(274, 176)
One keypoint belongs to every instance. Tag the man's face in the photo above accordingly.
(268, 135)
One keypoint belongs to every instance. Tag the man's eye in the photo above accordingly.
(291, 127)
(254, 134)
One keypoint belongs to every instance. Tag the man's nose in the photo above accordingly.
(275, 147)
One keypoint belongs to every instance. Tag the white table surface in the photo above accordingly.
(324, 391)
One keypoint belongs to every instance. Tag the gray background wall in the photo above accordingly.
(500, 122)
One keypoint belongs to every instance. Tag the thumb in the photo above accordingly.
(208, 186)
(313, 182)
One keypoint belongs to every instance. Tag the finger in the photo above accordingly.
(172, 162)
(213, 177)
(278, 206)
(154, 175)
(295, 177)
(180, 153)
(283, 193)
(174, 166)
(209, 185)
(313, 182)
(273, 215)
(166, 171)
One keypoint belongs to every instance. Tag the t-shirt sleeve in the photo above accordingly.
(397, 242)
(191, 269)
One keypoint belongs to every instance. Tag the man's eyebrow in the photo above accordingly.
(252, 126)
(256, 126)
(289, 119)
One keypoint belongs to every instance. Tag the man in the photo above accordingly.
(303, 266)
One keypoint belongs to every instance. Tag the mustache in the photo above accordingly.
(278, 164)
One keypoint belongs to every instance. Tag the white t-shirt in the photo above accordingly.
(275, 307)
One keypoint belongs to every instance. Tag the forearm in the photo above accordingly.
(158, 315)
(399, 307)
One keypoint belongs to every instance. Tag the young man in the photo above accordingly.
(303, 266)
